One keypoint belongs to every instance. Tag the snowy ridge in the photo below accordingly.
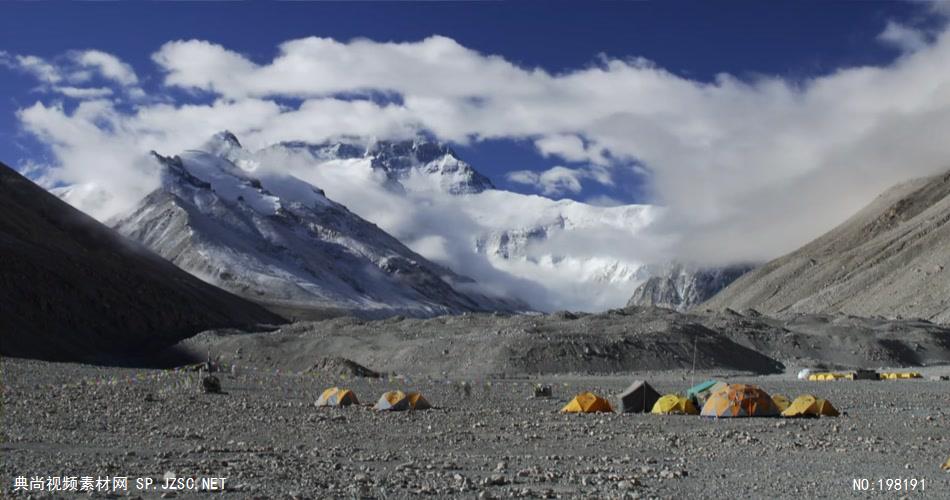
(275, 238)
(528, 238)
(396, 161)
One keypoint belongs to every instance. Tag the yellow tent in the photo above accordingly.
(417, 402)
(740, 400)
(335, 396)
(672, 404)
(400, 401)
(392, 400)
(946, 465)
(781, 402)
(900, 375)
(827, 376)
(810, 406)
(587, 402)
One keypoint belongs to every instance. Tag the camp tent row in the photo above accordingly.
(389, 401)
(857, 375)
(710, 398)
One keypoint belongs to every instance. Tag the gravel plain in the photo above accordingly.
(486, 438)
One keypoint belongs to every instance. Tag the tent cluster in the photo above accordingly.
(389, 401)
(900, 375)
(710, 399)
(856, 375)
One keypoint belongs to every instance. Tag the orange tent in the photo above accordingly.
(740, 400)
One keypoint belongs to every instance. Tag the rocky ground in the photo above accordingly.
(620, 340)
(485, 438)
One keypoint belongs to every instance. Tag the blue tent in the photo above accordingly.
(700, 392)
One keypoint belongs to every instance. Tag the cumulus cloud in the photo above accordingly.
(94, 153)
(747, 168)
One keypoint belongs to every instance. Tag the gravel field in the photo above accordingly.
(489, 441)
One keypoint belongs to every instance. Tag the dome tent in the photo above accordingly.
(740, 400)
(400, 401)
(587, 402)
(807, 405)
(335, 396)
(674, 404)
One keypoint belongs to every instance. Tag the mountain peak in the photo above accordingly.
(399, 160)
(227, 137)
(223, 143)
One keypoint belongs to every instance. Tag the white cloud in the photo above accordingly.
(108, 65)
(523, 177)
(603, 200)
(93, 151)
(84, 92)
(903, 37)
(749, 168)
(558, 180)
(38, 67)
(316, 67)
(553, 181)
(78, 67)
(561, 180)
(569, 147)
(200, 64)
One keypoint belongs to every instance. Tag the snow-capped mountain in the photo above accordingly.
(274, 238)
(396, 161)
(680, 287)
(569, 254)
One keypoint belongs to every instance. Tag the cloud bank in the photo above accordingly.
(747, 168)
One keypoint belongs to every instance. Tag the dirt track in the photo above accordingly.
(269, 440)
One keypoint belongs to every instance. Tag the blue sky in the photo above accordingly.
(697, 41)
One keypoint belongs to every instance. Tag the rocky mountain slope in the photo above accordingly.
(73, 289)
(275, 239)
(889, 259)
(680, 287)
